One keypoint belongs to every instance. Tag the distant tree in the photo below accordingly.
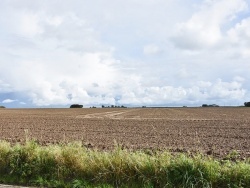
(2, 106)
(103, 106)
(143, 106)
(76, 106)
(247, 104)
(112, 106)
(210, 105)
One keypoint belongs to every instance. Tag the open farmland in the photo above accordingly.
(212, 131)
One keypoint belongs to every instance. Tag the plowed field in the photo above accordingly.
(213, 131)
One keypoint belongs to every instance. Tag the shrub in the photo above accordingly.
(210, 105)
(76, 106)
(247, 104)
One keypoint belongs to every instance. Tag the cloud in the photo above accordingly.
(53, 83)
(8, 101)
(5, 87)
(124, 52)
(66, 59)
(151, 49)
(71, 32)
(205, 28)
(239, 36)
(240, 32)
(200, 92)
(227, 90)
(184, 74)
(239, 79)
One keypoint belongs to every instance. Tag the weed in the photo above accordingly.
(72, 165)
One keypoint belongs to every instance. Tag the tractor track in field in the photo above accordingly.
(103, 115)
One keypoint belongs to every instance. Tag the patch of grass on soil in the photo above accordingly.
(71, 165)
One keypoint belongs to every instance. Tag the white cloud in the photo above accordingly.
(224, 90)
(184, 74)
(239, 79)
(151, 49)
(239, 36)
(8, 101)
(73, 33)
(52, 83)
(204, 28)
(240, 32)
(29, 24)
(202, 91)
(5, 87)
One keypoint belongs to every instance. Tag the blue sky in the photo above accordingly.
(151, 52)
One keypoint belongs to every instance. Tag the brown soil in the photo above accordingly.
(212, 131)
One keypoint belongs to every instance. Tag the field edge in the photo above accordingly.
(71, 165)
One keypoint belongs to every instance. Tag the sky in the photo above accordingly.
(54, 53)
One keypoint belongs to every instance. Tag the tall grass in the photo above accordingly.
(71, 165)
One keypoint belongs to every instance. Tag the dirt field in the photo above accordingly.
(213, 131)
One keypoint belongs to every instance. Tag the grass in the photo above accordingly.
(71, 165)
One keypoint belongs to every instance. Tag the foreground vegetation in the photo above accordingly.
(71, 165)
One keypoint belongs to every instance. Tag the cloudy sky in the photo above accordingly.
(134, 52)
